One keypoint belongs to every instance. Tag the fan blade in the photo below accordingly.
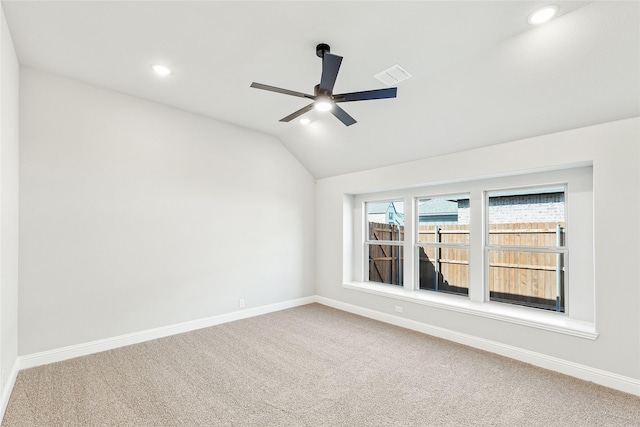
(366, 95)
(280, 90)
(297, 113)
(343, 116)
(330, 67)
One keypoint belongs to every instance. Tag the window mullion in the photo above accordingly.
(409, 247)
(476, 248)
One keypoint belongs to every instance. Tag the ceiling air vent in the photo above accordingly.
(392, 76)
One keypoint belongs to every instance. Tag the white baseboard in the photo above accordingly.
(598, 376)
(64, 353)
(8, 388)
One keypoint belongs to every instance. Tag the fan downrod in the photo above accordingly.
(321, 49)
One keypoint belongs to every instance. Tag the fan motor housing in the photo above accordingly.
(317, 91)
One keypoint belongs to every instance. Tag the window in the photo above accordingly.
(496, 247)
(526, 247)
(442, 244)
(385, 236)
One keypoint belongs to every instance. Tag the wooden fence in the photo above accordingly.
(520, 277)
(444, 269)
(523, 277)
(385, 261)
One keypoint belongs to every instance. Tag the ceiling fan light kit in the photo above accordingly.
(323, 103)
(323, 97)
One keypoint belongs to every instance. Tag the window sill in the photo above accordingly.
(549, 321)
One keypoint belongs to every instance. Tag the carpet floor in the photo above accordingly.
(308, 366)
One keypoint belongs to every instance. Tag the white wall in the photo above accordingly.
(134, 215)
(613, 150)
(9, 76)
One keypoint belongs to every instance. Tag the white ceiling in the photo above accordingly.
(481, 74)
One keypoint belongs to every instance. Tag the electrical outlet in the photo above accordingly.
(241, 303)
(398, 309)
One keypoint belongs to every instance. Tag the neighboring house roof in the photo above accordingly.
(383, 207)
(377, 208)
(437, 207)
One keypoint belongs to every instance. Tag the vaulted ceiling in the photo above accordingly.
(482, 74)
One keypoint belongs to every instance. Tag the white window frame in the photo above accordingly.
(579, 317)
(434, 245)
(368, 242)
(557, 250)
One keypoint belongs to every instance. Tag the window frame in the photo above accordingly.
(435, 245)
(556, 250)
(368, 242)
(579, 316)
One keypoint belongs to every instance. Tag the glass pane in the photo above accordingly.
(527, 218)
(385, 264)
(386, 220)
(533, 279)
(443, 220)
(444, 270)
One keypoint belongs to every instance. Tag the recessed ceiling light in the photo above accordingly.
(161, 70)
(304, 121)
(543, 15)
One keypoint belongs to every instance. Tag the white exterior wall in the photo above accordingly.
(613, 150)
(539, 208)
(135, 216)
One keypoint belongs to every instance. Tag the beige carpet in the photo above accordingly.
(307, 366)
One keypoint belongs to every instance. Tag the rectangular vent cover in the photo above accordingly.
(392, 76)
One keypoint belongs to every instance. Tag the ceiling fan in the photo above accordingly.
(323, 97)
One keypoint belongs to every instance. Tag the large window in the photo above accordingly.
(442, 244)
(526, 247)
(497, 246)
